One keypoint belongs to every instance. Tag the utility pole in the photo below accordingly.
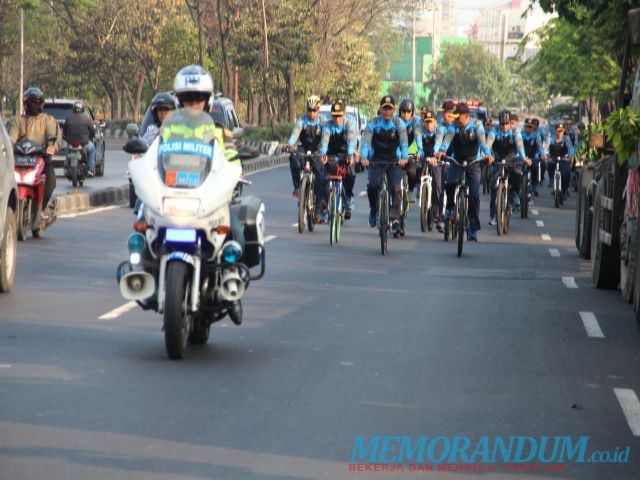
(413, 52)
(20, 107)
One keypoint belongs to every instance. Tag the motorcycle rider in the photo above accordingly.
(467, 142)
(506, 144)
(385, 140)
(42, 128)
(339, 138)
(78, 126)
(307, 129)
(161, 107)
(414, 139)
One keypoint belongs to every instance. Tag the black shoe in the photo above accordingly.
(347, 214)
(396, 229)
(372, 218)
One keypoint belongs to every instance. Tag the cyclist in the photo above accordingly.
(534, 150)
(559, 147)
(414, 139)
(572, 132)
(428, 144)
(385, 140)
(467, 142)
(506, 144)
(308, 129)
(339, 138)
(515, 123)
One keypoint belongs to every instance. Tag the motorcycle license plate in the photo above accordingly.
(23, 161)
(181, 235)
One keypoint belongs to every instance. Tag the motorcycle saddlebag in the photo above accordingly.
(250, 211)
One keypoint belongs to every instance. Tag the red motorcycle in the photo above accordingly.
(29, 158)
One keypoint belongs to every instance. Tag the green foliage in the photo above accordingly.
(469, 71)
(623, 130)
(571, 63)
(263, 133)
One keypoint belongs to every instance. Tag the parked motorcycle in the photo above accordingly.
(30, 177)
(187, 258)
(75, 165)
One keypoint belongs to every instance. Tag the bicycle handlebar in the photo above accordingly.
(461, 165)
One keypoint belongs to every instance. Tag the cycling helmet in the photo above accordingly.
(78, 107)
(193, 83)
(313, 102)
(504, 117)
(162, 100)
(406, 105)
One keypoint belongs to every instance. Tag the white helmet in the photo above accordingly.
(193, 83)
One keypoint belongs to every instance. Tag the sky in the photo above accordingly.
(467, 11)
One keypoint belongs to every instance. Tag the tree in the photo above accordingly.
(570, 63)
(469, 71)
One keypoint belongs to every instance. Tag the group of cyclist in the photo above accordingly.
(395, 143)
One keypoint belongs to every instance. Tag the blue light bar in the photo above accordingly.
(181, 235)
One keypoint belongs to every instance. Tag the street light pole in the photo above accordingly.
(413, 52)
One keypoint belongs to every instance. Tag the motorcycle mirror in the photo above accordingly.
(132, 129)
(135, 146)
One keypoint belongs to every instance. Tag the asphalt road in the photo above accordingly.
(114, 172)
(337, 342)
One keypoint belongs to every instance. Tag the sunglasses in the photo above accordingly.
(313, 110)
(194, 97)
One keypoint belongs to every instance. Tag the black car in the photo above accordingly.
(60, 109)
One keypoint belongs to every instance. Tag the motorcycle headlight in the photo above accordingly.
(180, 207)
(231, 252)
(136, 242)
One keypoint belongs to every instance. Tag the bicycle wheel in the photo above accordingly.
(500, 207)
(339, 214)
(383, 220)
(524, 194)
(311, 206)
(424, 211)
(462, 217)
(507, 209)
(334, 216)
(302, 204)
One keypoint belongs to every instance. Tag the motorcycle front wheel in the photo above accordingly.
(24, 219)
(176, 314)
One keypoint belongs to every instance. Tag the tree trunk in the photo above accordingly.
(223, 47)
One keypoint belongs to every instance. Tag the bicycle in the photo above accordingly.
(383, 221)
(557, 182)
(306, 194)
(427, 202)
(406, 205)
(525, 189)
(458, 225)
(503, 199)
(337, 199)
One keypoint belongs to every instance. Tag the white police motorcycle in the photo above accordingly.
(196, 244)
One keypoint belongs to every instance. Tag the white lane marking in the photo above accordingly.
(363, 193)
(591, 325)
(294, 225)
(546, 237)
(5, 365)
(269, 238)
(89, 212)
(554, 252)
(116, 312)
(535, 212)
(569, 282)
(539, 223)
(631, 408)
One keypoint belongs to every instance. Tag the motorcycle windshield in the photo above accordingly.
(186, 149)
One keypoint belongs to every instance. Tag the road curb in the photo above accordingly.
(82, 201)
